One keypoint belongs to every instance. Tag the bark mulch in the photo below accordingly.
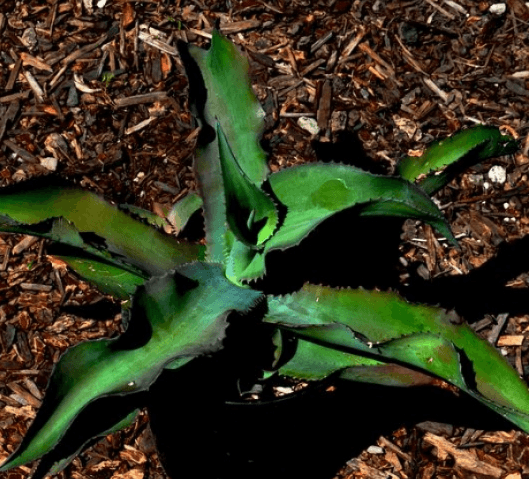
(94, 92)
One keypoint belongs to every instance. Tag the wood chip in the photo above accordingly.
(35, 287)
(24, 393)
(34, 85)
(28, 59)
(132, 474)
(324, 106)
(24, 243)
(441, 9)
(387, 444)
(497, 328)
(133, 455)
(348, 50)
(149, 39)
(357, 466)
(241, 26)
(141, 99)
(511, 340)
(140, 126)
(26, 411)
(8, 115)
(465, 459)
(440, 93)
(13, 75)
(499, 437)
(375, 56)
(81, 52)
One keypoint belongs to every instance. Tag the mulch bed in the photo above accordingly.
(95, 92)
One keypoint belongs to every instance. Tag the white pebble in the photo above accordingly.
(309, 124)
(497, 174)
(498, 8)
(375, 450)
(49, 163)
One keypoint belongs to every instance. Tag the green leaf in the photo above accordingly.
(150, 217)
(84, 221)
(108, 278)
(469, 147)
(211, 186)
(313, 361)
(232, 102)
(241, 118)
(317, 191)
(388, 374)
(183, 209)
(244, 263)
(100, 418)
(251, 213)
(384, 327)
(175, 316)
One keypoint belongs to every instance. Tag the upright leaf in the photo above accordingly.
(232, 102)
(251, 213)
(211, 186)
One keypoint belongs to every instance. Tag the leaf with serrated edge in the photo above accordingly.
(186, 314)
(313, 361)
(81, 435)
(251, 213)
(316, 191)
(108, 278)
(244, 263)
(425, 337)
(211, 187)
(146, 215)
(232, 102)
(124, 237)
(480, 142)
(183, 209)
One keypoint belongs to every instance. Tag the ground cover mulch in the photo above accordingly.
(95, 92)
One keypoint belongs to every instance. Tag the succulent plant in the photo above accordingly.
(180, 300)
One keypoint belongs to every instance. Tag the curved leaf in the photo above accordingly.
(244, 263)
(183, 209)
(314, 192)
(468, 146)
(108, 278)
(146, 215)
(313, 361)
(385, 327)
(178, 315)
(100, 418)
(85, 221)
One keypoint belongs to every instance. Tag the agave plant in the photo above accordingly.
(180, 299)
